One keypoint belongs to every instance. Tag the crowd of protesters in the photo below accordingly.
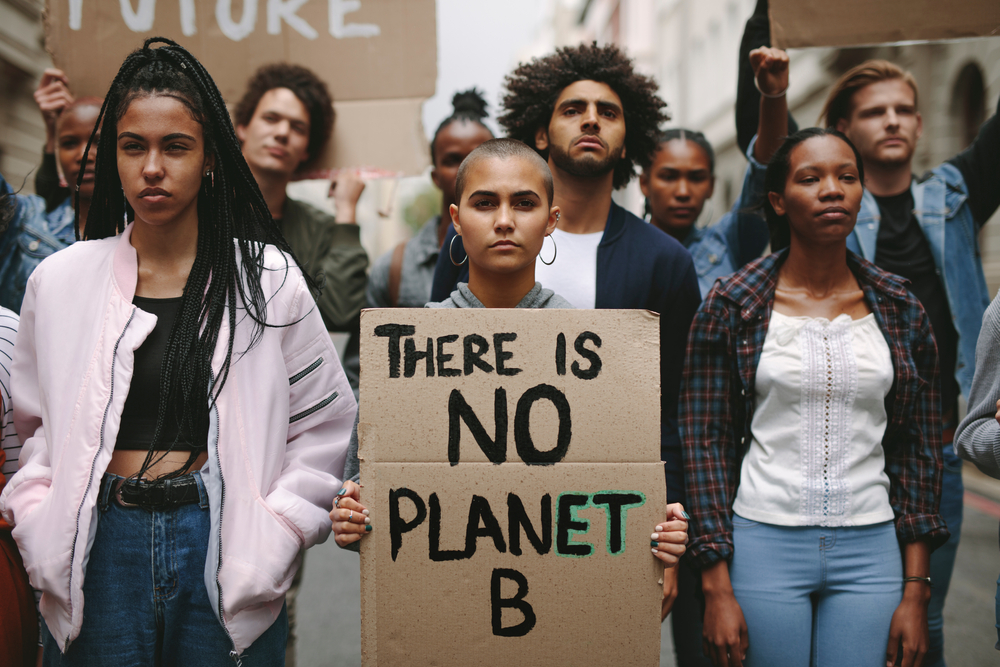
(177, 426)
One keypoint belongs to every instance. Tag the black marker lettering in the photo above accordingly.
(394, 332)
(397, 525)
(522, 432)
(498, 340)
(411, 357)
(565, 524)
(434, 536)
(595, 361)
(474, 358)
(480, 512)
(617, 504)
(516, 602)
(443, 357)
(561, 354)
(518, 517)
(495, 449)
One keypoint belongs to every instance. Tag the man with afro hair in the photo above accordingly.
(594, 118)
(284, 121)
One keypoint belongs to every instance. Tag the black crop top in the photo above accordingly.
(143, 400)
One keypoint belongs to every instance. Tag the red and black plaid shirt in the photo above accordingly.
(718, 393)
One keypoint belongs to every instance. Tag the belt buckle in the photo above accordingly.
(118, 494)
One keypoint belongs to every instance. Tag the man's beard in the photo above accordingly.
(586, 166)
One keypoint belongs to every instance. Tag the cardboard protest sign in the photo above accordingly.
(800, 23)
(379, 57)
(510, 461)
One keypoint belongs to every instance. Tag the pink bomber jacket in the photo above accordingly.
(277, 441)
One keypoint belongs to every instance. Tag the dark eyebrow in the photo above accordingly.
(813, 167)
(482, 193)
(169, 137)
(525, 193)
(601, 104)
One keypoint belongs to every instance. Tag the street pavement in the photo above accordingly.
(330, 622)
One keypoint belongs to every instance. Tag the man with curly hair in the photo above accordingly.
(284, 121)
(594, 118)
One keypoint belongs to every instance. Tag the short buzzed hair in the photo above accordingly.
(503, 149)
(838, 103)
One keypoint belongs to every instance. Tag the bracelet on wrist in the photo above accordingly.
(770, 96)
(923, 580)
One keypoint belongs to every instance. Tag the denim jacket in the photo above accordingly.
(940, 204)
(738, 238)
(31, 236)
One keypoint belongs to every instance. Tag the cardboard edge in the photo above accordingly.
(369, 595)
(778, 38)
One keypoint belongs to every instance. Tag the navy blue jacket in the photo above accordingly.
(638, 267)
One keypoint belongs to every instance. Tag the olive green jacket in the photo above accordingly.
(334, 251)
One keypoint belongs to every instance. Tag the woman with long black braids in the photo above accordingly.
(184, 415)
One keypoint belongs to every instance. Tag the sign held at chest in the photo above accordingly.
(510, 461)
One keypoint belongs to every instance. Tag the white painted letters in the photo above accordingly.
(140, 20)
(338, 29)
(284, 10)
(224, 17)
(188, 24)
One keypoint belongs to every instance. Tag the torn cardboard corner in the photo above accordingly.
(511, 466)
(378, 57)
(803, 23)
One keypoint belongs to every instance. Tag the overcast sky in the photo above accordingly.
(477, 45)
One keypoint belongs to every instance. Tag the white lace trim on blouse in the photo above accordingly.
(816, 456)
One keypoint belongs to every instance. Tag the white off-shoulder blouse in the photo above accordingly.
(816, 456)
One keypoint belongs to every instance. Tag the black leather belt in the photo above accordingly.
(158, 494)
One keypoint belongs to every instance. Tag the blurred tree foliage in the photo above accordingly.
(425, 203)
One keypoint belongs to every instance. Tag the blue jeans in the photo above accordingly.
(943, 558)
(816, 596)
(146, 602)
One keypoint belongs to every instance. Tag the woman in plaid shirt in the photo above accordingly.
(814, 506)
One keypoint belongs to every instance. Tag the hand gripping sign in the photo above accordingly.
(511, 463)
(379, 58)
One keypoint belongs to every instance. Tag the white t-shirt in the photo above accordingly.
(816, 457)
(573, 275)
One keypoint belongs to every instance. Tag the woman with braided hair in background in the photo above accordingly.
(402, 277)
(184, 415)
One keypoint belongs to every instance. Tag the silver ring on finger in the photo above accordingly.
(350, 516)
(336, 503)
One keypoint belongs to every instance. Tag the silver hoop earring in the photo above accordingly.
(555, 251)
(451, 256)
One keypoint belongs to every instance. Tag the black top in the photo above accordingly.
(143, 401)
(903, 249)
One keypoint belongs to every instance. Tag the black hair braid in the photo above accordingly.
(234, 226)
(468, 105)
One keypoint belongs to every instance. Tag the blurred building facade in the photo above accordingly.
(691, 48)
(22, 60)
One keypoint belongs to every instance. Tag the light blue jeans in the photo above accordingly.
(816, 596)
(146, 602)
